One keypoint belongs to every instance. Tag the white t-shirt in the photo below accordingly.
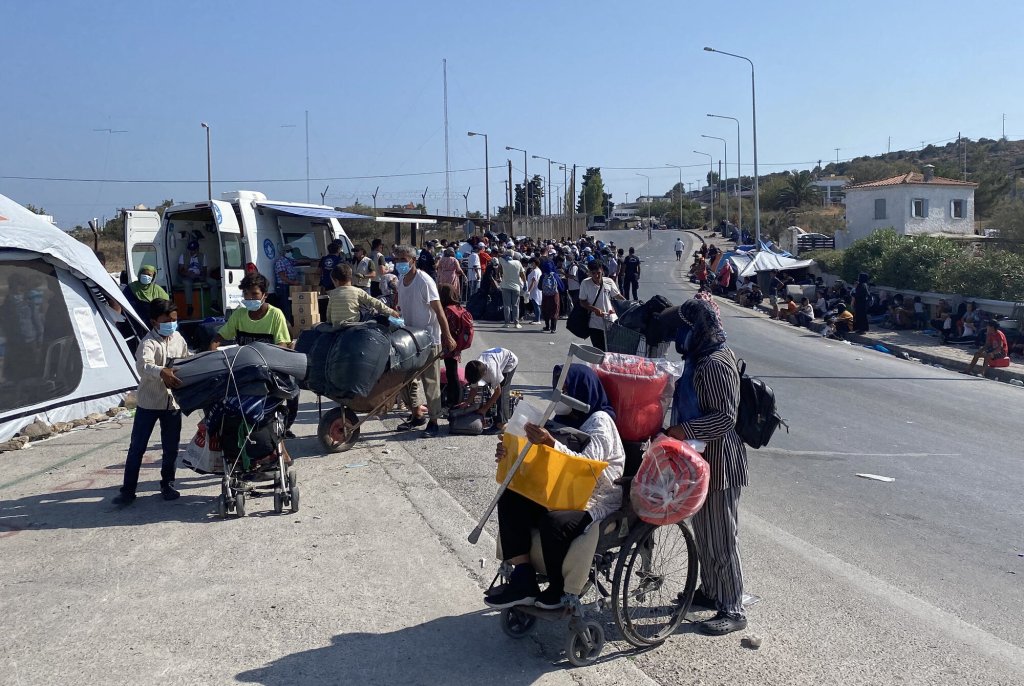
(589, 293)
(474, 267)
(414, 301)
(360, 272)
(497, 363)
(510, 271)
(533, 284)
(680, 245)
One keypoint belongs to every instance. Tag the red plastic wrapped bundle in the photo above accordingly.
(671, 484)
(640, 390)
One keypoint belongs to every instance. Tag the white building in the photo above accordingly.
(913, 204)
(832, 188)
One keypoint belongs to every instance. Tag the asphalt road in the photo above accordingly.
(916, 581)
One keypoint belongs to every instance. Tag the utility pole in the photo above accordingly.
(375, 201)
(307, 155)
(837, 159)
(1004, 126)
(447, 175)
(511, 196)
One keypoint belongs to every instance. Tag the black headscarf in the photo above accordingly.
(700, 330)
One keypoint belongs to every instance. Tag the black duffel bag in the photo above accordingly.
(410, 349)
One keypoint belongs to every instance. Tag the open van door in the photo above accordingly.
(232, 253)
(141, 228)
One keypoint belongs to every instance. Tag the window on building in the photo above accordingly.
(40, 359)
(918, 208)
(880, 208)
(956, 209)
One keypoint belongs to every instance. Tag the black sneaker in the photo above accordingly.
(290, 434)
(513, 595)
(412, 423)
(723, 623)
(550, 599)
(123, 499)
(169, 493)
(432, 430)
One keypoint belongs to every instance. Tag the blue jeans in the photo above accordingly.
(510, 305)
(536, 312)
(170, 437)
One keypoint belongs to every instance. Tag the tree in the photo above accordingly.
(797, 191)
(35, 210)
(1008, 219)
(536, 192)
(592, 195)
(713, 179)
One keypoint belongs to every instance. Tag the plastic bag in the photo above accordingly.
(671, 484)
(640, 390)
(203, 453)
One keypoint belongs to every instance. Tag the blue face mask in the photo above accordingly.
(145, 279)
(252, 305)
(402, 268)
(167, 328)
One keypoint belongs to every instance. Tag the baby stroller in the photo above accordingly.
(251, 431)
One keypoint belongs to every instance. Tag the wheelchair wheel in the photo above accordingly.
(516, 623)
(657, 567)
(584, 646)
(337, 429)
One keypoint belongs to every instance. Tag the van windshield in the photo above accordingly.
(303, 245)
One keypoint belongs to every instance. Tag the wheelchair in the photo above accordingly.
(646, 573)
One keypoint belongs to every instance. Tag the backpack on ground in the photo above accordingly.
(756, 417)
(549, 284)
(460, 324)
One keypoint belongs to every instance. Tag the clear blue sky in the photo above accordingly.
(603, 83)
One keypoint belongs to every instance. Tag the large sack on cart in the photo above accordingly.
(199, 369)
(640, 390)
(357, 360)
(410, 349)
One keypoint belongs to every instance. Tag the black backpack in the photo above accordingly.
(756, 418)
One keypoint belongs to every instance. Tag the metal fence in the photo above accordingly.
(556, 227)
(806, 242)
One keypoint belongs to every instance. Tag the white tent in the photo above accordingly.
(763, 260)
(61, 355)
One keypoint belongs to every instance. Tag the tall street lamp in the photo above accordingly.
(739, 171)
(682, 189)
(538, 157)
(565, 183)
(726, 145)
(711, 165)
(487, 174)
(648, 198)
(526, 180)
(209, 173)
(753, 106)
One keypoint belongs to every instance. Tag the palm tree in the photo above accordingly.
(798, 191)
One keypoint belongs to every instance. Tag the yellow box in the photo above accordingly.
(307, 296)
(549, 477)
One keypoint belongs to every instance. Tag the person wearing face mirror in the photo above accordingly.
(258, 320)
(156, 404)
(704, 407)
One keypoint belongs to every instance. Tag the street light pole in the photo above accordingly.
(682, 189)
(753, 107)
(726, 145)
(209, 173)
(711, 163)
(487, 174)
(565, 183)
(739, 171)
(526, 180)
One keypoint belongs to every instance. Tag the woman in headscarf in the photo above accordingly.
(449, 272)
(861, 303)
(518, 516)
(551, 289)
(144, 290)
(704, 408)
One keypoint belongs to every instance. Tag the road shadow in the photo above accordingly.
(87, 507)
(457, 650)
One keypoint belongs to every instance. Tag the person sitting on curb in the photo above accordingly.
(995, 348)
(155, 401)
(789, 310)
(346, 299)
(841, 323)
(804, 314)
(495, 369)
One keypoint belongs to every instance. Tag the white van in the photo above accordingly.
(241, 227)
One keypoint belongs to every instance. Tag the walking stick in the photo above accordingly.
(583, 353)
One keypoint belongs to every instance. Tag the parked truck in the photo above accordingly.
(239, 228)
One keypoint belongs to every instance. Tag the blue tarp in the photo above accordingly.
(320, 212)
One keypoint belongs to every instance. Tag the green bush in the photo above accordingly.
(925, 263)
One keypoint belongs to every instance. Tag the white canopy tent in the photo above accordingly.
(751, 263)
(61, 355)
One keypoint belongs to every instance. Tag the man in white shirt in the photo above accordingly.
(513, 276)
(363, 271)
(679, 249)
(494, 369)
(420, 306)
(377, 259)
(533, 289)
(596, 295)
(473, 271)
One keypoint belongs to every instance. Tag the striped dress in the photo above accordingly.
(717, 382)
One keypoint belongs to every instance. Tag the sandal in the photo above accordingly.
(722, 624)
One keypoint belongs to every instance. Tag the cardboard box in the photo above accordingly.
(306, 322)
(312, 278)
(303, 296)
(303, 309)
